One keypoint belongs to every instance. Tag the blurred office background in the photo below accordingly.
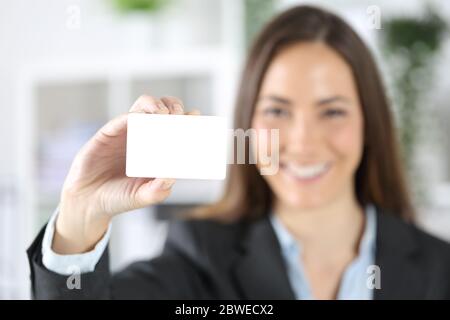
(67, 66)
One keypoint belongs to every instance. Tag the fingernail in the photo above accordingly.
(157, 184)
(167, 184)
(177, 107)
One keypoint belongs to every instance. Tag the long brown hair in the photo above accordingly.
(379, 179)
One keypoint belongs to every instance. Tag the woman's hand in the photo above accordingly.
(97, 188)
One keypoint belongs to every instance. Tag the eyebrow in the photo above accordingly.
(320, 102)
(275, 99)
(332, 99)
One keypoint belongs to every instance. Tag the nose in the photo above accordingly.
(303, 135)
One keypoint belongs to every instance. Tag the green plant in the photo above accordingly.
(257, 13)
(410, 46)
(139, 5)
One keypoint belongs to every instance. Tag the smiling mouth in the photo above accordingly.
(306, 172)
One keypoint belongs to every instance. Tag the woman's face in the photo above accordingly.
(309, 94)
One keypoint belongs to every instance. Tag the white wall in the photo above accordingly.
(33, 32)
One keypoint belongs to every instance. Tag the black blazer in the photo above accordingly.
(209, 260)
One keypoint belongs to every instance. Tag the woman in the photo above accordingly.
(335, 222)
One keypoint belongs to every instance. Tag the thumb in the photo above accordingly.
(114, 127)
(154, 191)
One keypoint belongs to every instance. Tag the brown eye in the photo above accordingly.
(276, 112)
(334, 113)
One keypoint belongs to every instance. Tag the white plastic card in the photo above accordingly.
(176, 146)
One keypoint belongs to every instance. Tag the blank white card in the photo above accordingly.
(176, 146)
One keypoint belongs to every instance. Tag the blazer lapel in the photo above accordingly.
(397, 257)
(259, 270)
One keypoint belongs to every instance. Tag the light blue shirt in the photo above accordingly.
(354, 282)
(70, 263)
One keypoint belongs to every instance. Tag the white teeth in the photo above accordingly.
(306, 172)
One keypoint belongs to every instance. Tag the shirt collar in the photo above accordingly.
(285, 238)
(288, 243)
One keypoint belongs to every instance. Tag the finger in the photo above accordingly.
(174, 104)
(149, 104)
(154, 191)
(161, 184)
(194, 112)
(115, 127)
